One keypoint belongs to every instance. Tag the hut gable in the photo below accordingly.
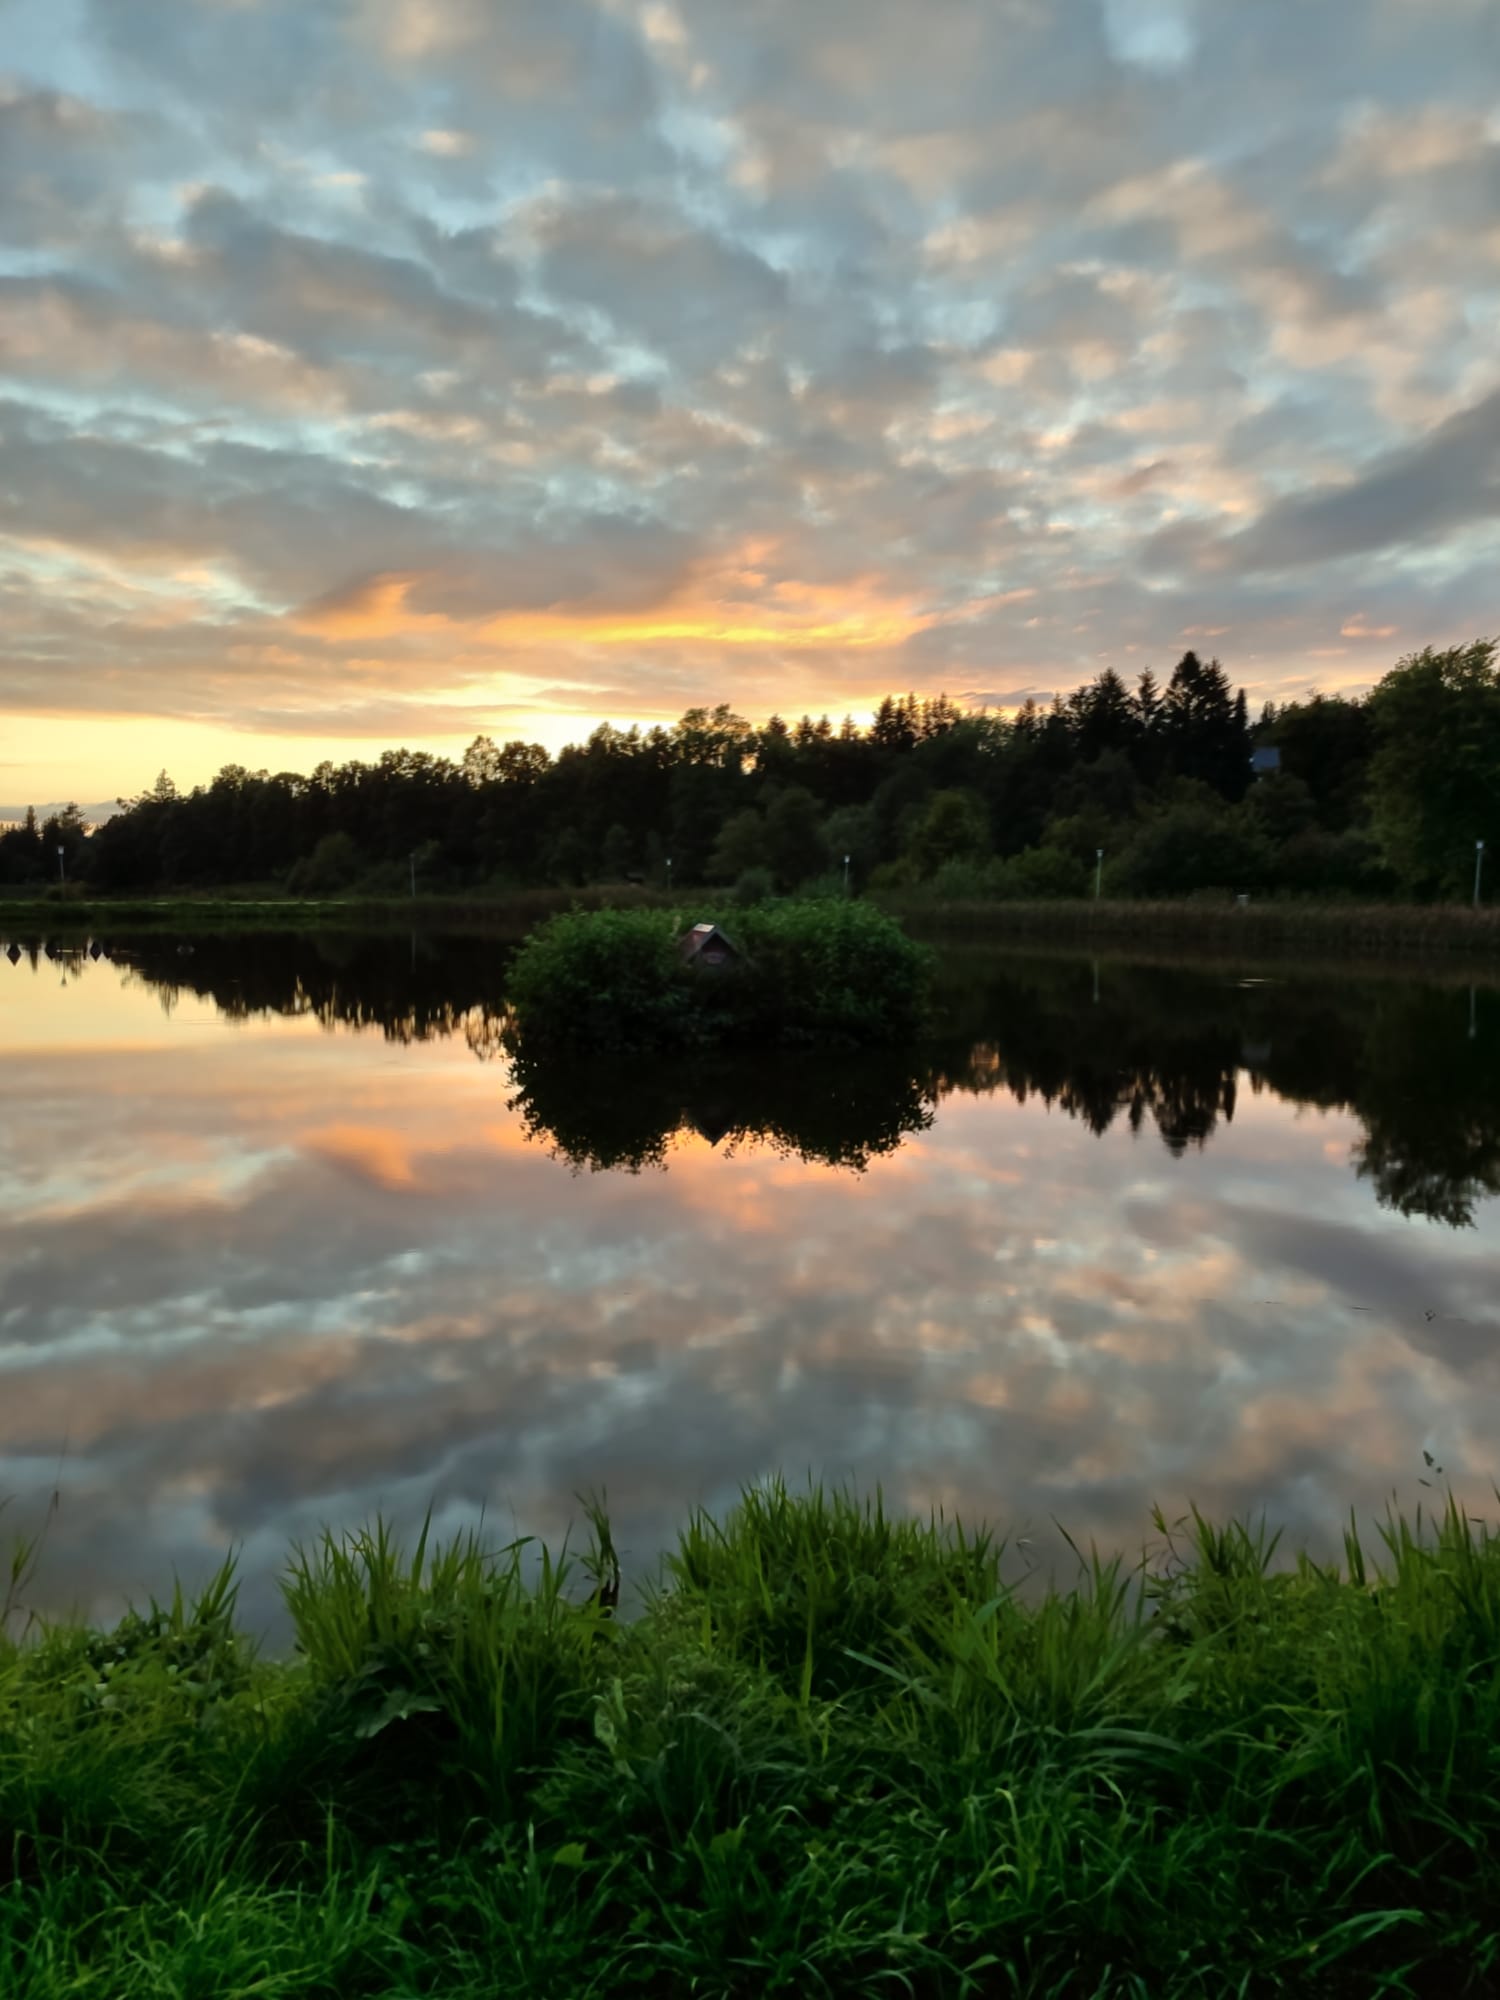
(707, 946)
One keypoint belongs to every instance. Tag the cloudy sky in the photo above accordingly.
(391, 370)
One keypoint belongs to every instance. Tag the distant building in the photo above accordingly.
(1265, 762)
(706, 945)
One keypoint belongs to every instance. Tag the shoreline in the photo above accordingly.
(1441, 933)
(1221, 930)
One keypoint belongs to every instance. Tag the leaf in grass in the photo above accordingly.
(398, 1705)
(572, 1855)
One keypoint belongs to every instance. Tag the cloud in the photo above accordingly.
(677, 289)
(62, 163)
(1449, 480)
(370, 358)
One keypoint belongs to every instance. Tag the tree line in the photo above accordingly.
(1139, 790)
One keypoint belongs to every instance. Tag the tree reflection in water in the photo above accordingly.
(839, 1110)
(1165, 1047)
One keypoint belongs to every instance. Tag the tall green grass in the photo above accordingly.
(835, 1752)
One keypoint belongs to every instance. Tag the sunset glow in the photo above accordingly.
(399, 371)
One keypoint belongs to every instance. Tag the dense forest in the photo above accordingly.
(1150, 790)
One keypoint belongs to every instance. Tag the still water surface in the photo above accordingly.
(286, 1238)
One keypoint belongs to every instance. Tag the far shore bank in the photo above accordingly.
(1216, 929)
(1436, 933)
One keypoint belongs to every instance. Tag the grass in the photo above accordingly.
(836, 1753)
(509, 913)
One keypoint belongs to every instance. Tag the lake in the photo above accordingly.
(287, 1238)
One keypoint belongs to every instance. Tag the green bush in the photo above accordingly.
(332, 865)
(895, 875)
(1040, 874)
(1194, 844)
(963, 880)
(808, 971)
(754, 886)
(604, 979)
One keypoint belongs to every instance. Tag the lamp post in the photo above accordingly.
(669, 874)
(1478, 869)
(1098, 871)
(62, 872)
(846, 874)
(412, 859)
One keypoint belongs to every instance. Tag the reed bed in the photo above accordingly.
(1378, 929)
(835, 1752)
(1435, 932)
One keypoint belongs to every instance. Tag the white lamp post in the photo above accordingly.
(1098, 871)
(846, 874)
(1478, 868)
(62, 872)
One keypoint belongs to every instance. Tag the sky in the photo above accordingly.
(379, 371)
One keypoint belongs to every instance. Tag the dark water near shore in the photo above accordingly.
(286, 1237)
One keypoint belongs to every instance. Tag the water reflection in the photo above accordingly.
(1417, 1064)
(841, 1110)
(258, 1271)
(1166, 1046)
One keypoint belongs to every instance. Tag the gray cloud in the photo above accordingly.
(1020, 339)
(675, 288)
(1450, 479)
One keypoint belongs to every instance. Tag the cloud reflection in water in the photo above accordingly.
(261, 1273)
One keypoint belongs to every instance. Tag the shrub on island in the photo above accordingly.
(800, 972)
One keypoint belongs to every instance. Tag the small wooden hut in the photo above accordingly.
(706, 946)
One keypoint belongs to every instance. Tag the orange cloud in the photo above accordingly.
(736, 605)
(1358, 627)
(372, 1153)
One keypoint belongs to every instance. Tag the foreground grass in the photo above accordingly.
(836, 1754)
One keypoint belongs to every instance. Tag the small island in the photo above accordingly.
(780, 974)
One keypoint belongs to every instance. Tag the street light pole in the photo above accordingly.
(846, 874)
(1098, 870)
(412, 860)
(62, 873)
(669, 874)
(1478, 868)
